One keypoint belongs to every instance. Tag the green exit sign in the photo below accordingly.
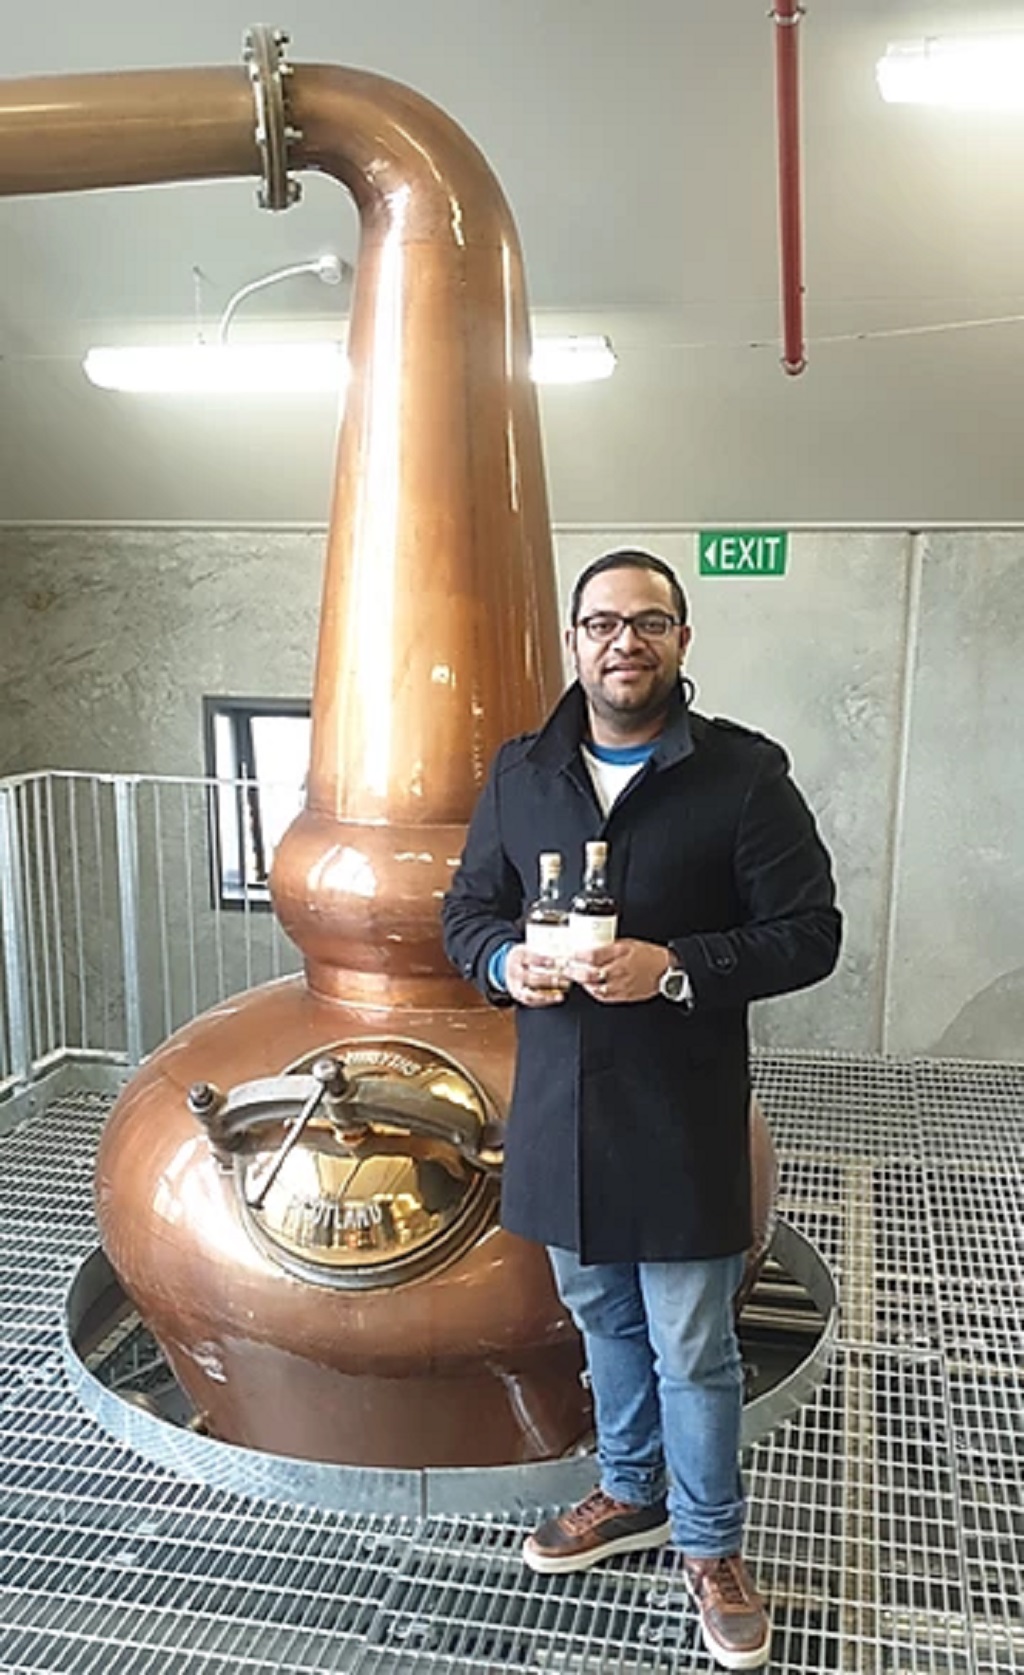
(743, 552)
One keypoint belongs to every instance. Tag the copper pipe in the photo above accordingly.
(72, 133)
(787, 16)
(438, 633)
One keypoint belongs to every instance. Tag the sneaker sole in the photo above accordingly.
(548, 1565)
(755, 1658)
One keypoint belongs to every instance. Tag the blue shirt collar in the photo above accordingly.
(623, 755)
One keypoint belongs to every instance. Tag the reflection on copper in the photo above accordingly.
(412, 1331)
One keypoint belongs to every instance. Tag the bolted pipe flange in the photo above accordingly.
(264, 51)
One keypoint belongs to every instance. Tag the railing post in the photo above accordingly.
(15, 937)
(126, 818)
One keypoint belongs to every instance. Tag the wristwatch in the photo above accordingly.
(674, 984)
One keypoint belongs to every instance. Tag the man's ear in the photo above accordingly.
(570, 645)
(685, 636)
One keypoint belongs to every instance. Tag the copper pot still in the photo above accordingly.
(299, 1189)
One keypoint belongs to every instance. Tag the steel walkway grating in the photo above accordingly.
(887, 1517)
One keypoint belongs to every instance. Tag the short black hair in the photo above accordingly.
(627, 558)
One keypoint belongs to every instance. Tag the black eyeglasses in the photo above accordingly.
(608, 625)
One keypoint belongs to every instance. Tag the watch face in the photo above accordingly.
(673, 984)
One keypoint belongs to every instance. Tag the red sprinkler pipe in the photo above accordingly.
(787, 16)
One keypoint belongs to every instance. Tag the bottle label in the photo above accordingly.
(549, 940)
(587, 931)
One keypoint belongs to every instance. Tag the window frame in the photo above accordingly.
(247, 895)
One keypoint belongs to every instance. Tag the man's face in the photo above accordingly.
(628, 678)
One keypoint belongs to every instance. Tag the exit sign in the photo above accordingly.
(743, 552)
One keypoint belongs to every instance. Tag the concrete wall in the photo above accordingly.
(109, 637)
(958, 881)
(888, 664)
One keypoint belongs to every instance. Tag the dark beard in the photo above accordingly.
(625, 717)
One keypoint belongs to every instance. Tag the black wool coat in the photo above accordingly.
(627, 1136)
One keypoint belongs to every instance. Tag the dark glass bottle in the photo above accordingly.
(593, 911)
(547, 918)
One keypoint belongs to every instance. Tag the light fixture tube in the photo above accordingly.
(297, 368)
(571, 360)
(219, 368)
(971, 72)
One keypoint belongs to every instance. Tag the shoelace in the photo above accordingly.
(578, 1517)
(727, 1579)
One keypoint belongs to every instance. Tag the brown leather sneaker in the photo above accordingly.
(733, 1621)
(595, 1529)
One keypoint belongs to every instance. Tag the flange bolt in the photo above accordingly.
(330, 1073)
(203, 1099)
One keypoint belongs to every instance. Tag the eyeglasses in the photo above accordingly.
(608, 625)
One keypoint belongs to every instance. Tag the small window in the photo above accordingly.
(258, 748)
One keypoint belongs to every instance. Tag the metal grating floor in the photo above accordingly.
(887, 1518)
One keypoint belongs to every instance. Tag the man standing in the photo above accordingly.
(627, 1148)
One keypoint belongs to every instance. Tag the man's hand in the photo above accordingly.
(534, 979)
(626, 970)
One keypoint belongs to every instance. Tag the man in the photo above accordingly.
(627, 1150)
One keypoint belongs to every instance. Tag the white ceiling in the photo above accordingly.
(636, 145)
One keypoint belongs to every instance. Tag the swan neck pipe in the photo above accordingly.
(438, 631)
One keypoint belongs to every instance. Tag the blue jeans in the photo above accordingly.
(667, 1381)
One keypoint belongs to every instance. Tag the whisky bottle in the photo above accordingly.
(547, 918)
(593, 912)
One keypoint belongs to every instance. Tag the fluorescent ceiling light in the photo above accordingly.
(219, 368)
(297, 368)
(571, 360)
(972, 72)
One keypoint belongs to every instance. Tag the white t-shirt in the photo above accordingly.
(612, 770)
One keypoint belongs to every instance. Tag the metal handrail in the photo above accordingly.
(113, 930)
